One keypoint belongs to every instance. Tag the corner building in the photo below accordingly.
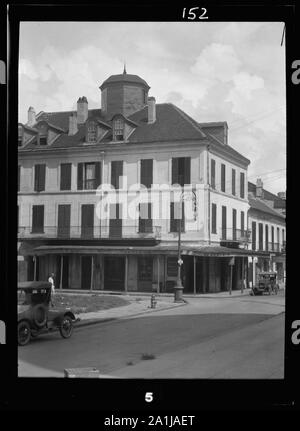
(87, 237)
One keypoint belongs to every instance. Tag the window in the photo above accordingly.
(234, 224)
(145, 268)
(20, 136)
(175, 216)
(213, 218)
(242, 223)
(145, 97)
(92, 132)
(65, 176)
(242, 182)
(38, 219)
(19, 175)
(260, 236)
(39, 177)
(119, 129)
(147, 172)
(145, 218)
(116, 173)
(224, 222)
(181, 170)
(267, 238)
(253, 235)
(283, 236)
(87, 221)
(88, 175)
(43, 140)
(172, 267)
(213, 173)
(272, 236)
(233, 182)
(64, 218)
(223, 178)
(278, 236)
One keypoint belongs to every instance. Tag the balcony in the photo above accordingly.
(113, 231)
(235, 235)
(273, 246)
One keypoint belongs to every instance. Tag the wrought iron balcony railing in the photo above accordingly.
(273, 246)
(113, 231)
(238, 235)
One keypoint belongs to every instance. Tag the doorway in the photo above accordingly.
(114, 273)
(86, 272)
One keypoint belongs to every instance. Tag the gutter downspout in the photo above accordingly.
(208, 184)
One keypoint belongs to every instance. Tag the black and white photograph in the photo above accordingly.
(151, 172)
(151, 197)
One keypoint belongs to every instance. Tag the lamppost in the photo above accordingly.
(178, 288)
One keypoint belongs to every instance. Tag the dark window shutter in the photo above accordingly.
(213, 173)
(37, 218)
(233, 181)
(242, 180)
(187, 170)
(116, 173)
(65, 176)
(97, 174)
(147, 172)
(42, 177)
(36, 177)
(214, 218)
(242, 222)
(234, 224)
(253, 235)
(223, 178)
(174, 170)
(80, 176)
(224, 222)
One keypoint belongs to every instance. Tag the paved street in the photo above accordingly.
(240, 337)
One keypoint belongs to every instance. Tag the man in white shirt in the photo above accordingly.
(51, 280)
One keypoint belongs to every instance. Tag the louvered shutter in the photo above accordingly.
(80, 176)
(187, 170)
(174, 170)
(97, 174)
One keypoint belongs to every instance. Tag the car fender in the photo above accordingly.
(58, 319)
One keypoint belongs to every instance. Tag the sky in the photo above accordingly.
(225, 71)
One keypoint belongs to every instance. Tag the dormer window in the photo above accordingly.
(20, 136)
(119, 129)
(43, 140)
(92, 132)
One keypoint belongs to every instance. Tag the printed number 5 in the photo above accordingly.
(149, 397)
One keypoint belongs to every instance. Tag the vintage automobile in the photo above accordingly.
(35, 316)
(266, 284)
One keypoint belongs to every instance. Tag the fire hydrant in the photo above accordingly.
(153, 301)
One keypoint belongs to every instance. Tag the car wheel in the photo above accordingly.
(40, 315)
(66, 327)
(23, 333)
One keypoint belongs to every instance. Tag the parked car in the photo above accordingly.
(35, 316)
(267, 283)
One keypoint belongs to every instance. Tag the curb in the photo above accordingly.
(89, 322)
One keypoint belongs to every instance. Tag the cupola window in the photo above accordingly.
(119, 129)
(92, 132)
(20, 136)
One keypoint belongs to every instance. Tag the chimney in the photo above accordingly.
(73, 129)
(31, 117)
(259, 188)
(82, 110)
(151, 110)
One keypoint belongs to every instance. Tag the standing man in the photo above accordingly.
(51, 280)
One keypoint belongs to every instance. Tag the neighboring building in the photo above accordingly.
(65, 156)
(268, 232)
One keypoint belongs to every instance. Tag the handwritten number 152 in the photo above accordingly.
(192, 15)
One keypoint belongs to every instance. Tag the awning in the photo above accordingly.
(165, 249)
